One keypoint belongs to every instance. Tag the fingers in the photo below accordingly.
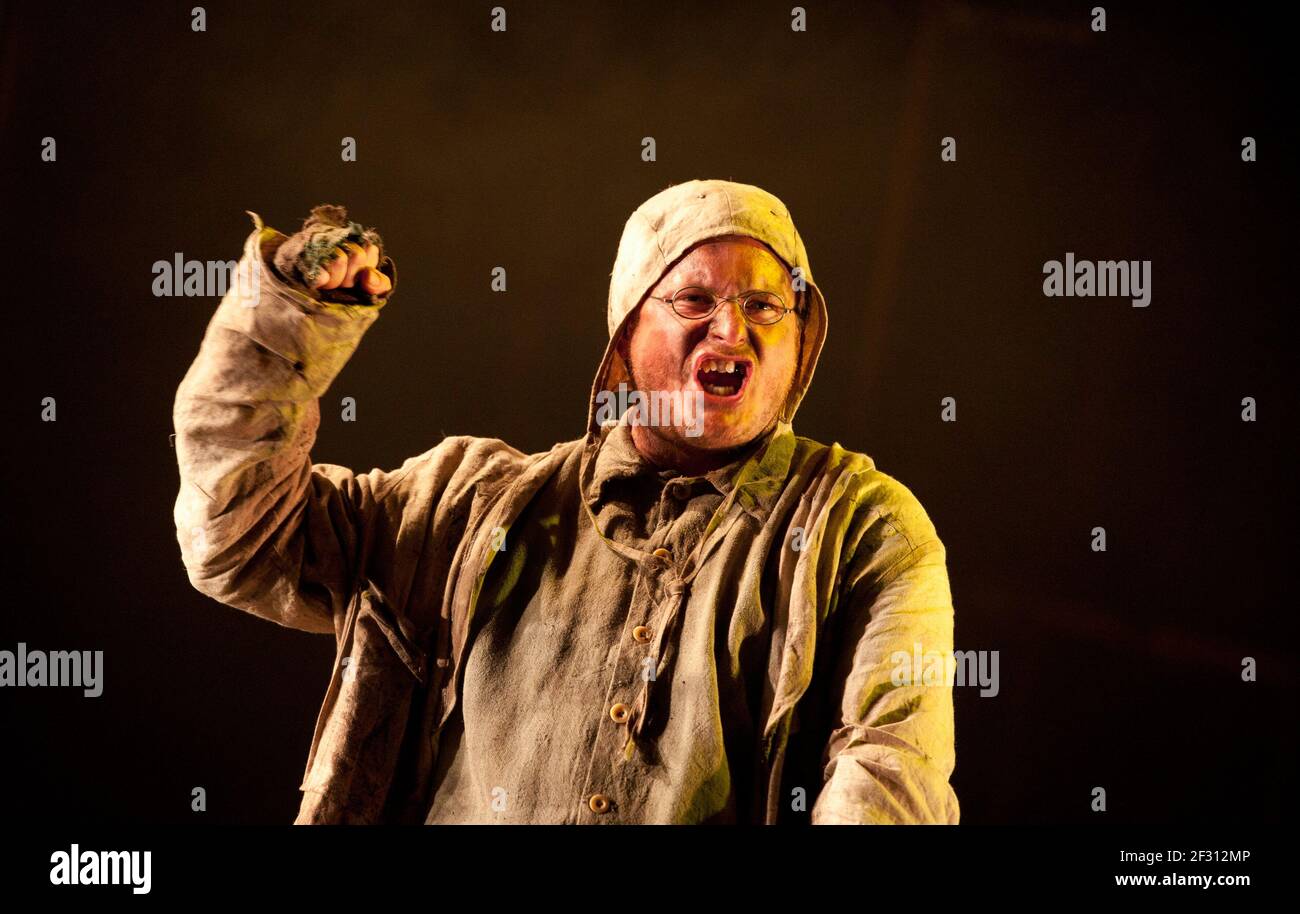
(373, 281)
(333, 271)
(322, 278)
(356, 260)
(352, 265)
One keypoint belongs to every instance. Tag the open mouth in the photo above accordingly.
(723, 377)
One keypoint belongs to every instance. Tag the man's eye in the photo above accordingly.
(694, 304)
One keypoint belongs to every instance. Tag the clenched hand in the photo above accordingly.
(352, 265)
(332, 253)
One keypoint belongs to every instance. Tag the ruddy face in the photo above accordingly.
(741, 370)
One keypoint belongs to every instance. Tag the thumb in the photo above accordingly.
(375, 282)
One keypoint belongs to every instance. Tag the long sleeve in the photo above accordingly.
(260, 527)
(890, 757)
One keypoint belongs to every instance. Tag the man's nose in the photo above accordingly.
(728, 323)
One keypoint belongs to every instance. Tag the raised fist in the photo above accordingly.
(332, 254)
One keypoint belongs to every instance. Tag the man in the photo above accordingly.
(688, 615)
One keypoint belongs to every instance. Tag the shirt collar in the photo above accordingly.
(760, 472)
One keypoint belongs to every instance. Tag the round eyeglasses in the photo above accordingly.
(696, 303)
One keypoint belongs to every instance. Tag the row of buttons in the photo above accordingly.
(619, 713)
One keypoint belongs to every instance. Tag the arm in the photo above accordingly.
(260, 527)
(890, 756)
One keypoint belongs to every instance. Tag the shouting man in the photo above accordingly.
(688, 615)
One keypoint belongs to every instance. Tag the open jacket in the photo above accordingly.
(392, 563)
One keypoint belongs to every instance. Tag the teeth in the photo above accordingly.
(718, 365)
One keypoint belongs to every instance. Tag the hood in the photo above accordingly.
(669, 224)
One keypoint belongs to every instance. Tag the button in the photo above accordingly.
(679, 490)
(599, 803)
(663, 553)
(642, 634)
(619, 712)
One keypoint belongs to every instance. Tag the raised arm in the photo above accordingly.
(259, 526)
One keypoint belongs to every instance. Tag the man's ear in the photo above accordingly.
(801, 304)
(624, 344)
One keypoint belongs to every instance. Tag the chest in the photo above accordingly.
(567, 621)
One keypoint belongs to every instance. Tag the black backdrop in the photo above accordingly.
(522, 149)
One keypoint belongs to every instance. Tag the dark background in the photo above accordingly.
(478, 149)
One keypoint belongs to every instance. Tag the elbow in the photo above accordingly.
(883, 783)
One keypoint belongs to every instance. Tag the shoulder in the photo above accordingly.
(885, 523)
(463, 464)
(881, 494)
(864, 483)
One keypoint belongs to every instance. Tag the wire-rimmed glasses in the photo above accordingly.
(697, 303)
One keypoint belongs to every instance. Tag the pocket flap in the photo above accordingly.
(375, 610)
